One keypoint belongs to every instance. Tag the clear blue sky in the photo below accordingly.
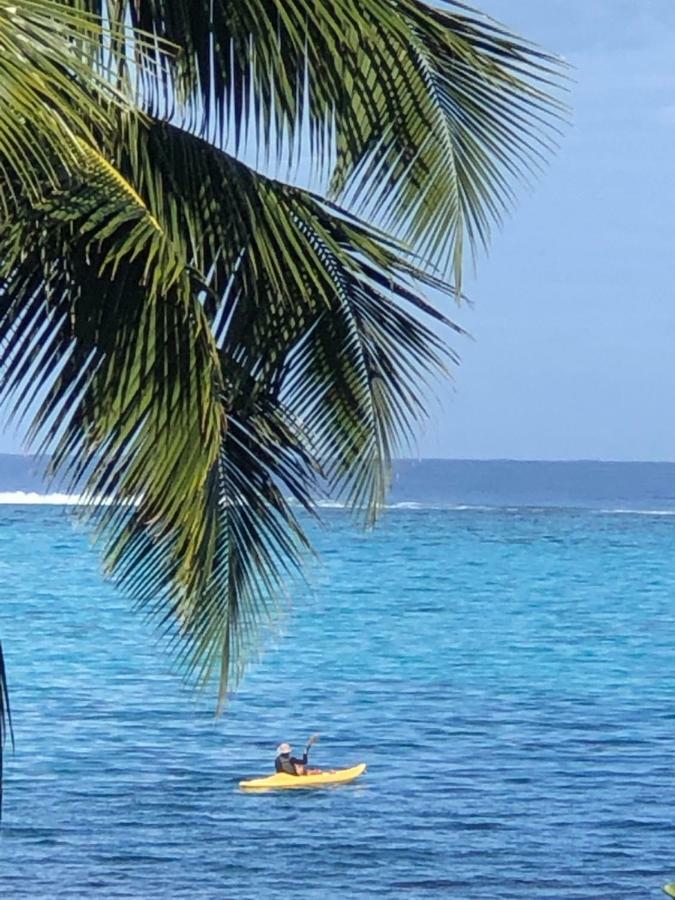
(574, 314)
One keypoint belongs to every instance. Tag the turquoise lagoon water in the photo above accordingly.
(508, 674)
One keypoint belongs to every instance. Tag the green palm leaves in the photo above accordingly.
(420, 114)
(58, 84)
(202, 346)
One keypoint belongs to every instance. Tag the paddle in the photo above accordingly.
(310, 743)
(669, 889)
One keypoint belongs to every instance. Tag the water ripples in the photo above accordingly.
(508, 680)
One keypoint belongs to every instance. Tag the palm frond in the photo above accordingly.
(429, 114)
(5, 721)
(105, 315)
(101, 319)
(59, 84)
(201, 341)
(194, 523)
(303, 296)
(253, 540)
(468, 110)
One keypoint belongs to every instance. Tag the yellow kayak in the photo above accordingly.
(281, 781)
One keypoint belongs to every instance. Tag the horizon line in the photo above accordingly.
(530, 459)
(464, 459)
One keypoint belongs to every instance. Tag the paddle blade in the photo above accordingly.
(669, 889)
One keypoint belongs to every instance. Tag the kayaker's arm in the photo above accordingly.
(299, 764)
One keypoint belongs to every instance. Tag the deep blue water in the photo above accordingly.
(507, 674)
(500, 483)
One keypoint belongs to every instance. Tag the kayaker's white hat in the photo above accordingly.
(284, 748)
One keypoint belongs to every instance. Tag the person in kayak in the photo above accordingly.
(291, 765)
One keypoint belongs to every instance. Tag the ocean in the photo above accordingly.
(500, 651)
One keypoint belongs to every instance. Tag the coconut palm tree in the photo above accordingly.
(192, 337)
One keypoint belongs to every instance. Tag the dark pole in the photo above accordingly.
(5, 720)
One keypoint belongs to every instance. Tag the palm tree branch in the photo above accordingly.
(58, 90)
(302, 294)
(427, 114)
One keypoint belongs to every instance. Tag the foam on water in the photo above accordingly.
(638, 512)
(32, 498)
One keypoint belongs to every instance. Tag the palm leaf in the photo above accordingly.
(201, 341)
(469, 116)
(255, 540)
(427, 114)
(100, 313)
(5, 721)
(105, 315)
(60, 85)
(304, 297)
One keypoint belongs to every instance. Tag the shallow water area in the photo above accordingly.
(508, 675)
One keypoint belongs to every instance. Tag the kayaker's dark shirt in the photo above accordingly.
(286, 763)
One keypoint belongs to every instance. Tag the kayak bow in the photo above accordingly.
(282, 781)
